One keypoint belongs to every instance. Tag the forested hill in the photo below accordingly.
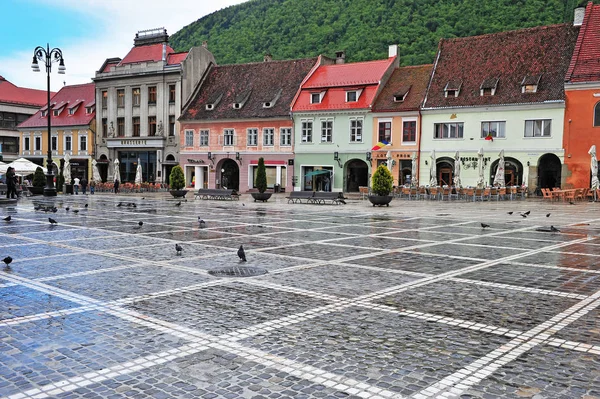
(363, 28)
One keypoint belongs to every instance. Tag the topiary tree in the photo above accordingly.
(39, 178)
(261, 176)
(176, 178)
(382, 181)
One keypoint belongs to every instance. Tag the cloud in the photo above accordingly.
(119, 21)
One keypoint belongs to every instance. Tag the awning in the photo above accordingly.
(318, 172)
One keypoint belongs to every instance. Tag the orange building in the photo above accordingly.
(582, 91)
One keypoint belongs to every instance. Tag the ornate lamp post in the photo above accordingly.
(47, 57)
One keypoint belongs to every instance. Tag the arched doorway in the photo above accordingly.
(230, 175)
(445, 171)
(549, 171)
(169, 163)
(103, 167)
(513, 171)
(357, 175)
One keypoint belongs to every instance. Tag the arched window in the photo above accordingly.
(597, 114)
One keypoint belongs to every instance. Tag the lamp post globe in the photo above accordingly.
(47, 57)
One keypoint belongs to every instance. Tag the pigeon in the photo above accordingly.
(38, 207)
(86, 205)
(242, 254)
(342, 201)
(8, 218)
(67, 209)
(510, 213)
(120, 204)
(143, 198)
(52, 221)
(548, 215)
(133, 205)
(178, 248)
(7, 261)
(526, 213)
(75, 211)
(54, 209)
(140, 223)
(571, 203)
(178, 204)
(483, 225)
(201, 222)
(554, 229)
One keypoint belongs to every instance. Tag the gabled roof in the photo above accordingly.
(512, 57)
(354, 74)
(152, 53)
(11, 94)
(74, 94)
(585, 63)
(411, 81)
(253, 84)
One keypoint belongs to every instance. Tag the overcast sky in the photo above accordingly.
(87, 32)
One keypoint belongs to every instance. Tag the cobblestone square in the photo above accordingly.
(412, 301)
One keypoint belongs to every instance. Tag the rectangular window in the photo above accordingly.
(252, 137)
(120, 127)
(120, 98)
(307, 128)
(315, 98)
(135, 97)
(136, 126)
(54, 143)
(104, 98)
(104, 127)
(25, 143)
(493, 129)
(326, 131)
(189, 138)
(204, 138)
(538, 128)
(82, 143)
(356, 128)
(72, 110)
(171, 125)
(448, 130)
(409, 131)
(37, 143)
(152, 126)
(152, 95)
(385, 131)
(268, 136)
(351, 96)
(68, 144)
(172, 94)
(228, 135)
(286, 136)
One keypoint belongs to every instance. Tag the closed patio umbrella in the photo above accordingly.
(456, 178)
(432, 171)
(23, 166)
(481, 179)
(96, 171)
(117, 173)
(414, 181)
(138, 173)
(67, 169)
(594, 167)
(499, 178)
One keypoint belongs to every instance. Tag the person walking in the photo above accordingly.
(76, 185)
(84, 184)
(116, 186)
(92, 186)
(11, 183)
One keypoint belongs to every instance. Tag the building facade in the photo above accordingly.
(139, 100)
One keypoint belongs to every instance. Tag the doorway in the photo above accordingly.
(549, 171)
(445, 171)
(357, 175)
(230, 175)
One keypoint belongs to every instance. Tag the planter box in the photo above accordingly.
(261, 196)
(35, 190)
(178, 193)
(381, 200)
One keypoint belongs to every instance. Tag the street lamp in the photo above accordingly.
(48, 56)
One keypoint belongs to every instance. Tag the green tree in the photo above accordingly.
(39, 178)
(60, 181)
(261, 176)
(176, 178)
(382, 181)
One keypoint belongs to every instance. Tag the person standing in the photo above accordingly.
(92, 186)
(76, 185)
(116, 186)
(11, 183)
(84, 184)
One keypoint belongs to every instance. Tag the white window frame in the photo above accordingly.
(326, 131)
(546, 124)
(68, 139)
(320, 98)
(307, 127)
(136, 100)
(82, 140)
(356, 129)
(268, 136)
(27, 143)
(53, 141)
(356, 93)
(385, 120)
(189, 138)
(449, 124)
(500, 132)
(37, 142)
(228, 137)
(285, 136)
(416, 130)
(204, 136)
(252, 137)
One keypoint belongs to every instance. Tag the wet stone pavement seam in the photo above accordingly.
(384, 315)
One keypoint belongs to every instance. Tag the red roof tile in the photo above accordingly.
(412, 81)
(585, 63)
(152, 52)
(9, 93)
(68, 95)
(176, 58)
(509, 56)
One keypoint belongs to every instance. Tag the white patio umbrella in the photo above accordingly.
(594, 166)
(23, 166)
(414, 181)
(432, 171)
(481, 179)
(525, 179)
(389, 163)
(117, 172)
(67, 169)
(456, 178)
(96, 171)
(499, 178)
(138, 173)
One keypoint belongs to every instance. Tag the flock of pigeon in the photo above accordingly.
(524, 215)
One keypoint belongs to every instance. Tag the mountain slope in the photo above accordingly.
(363, 28)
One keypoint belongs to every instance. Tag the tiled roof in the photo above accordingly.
(108, 66)
(176, 58)
(411, 81)
(513, 57)
(343, 75)
(585, 63)
(9, 93)
(152, 52)
(66, 97)
(254, 84)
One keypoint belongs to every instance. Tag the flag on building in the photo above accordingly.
(489, 137)
(380, 145)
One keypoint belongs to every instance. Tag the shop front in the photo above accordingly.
(130, 151)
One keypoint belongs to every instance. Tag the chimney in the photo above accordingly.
(164, 52)
(268, 57)
(578, 15)
(205, 44)
(394, 51)
(340, 57)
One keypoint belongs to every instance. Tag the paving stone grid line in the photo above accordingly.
(379, 230)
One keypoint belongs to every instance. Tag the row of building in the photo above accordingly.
(533, 93)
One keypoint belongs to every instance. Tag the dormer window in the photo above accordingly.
(353, 95)
(452, 88)
(212, 102)
(270, 103)
(401, 94)
(488, 87)
(72, 111)
(530, 83)
(44, 113)
(241, 99)
(316, 98)
(89, 110)
(237, 105)
(56, 112)
(209, 107)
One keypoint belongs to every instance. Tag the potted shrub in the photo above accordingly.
(261, 182)
(39, 182)
(177, 182)
(60, 182)
(381, 187)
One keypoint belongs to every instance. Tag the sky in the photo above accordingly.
(86, 31)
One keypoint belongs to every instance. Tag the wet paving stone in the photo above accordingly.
(585, 330)
(319, 251)
(562, 260)
(167, 252)
(19, 301)
(413, 262)
(470, 251)
(228, 259)
(379, 242)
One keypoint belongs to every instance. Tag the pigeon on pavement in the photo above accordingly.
(178, 204)
(526, 213)
(483, 225)
(8, 218)
(548, 215)
(201, 222)
(52, 221)
(76, 211)
(554, 229)
(178, 248)
(140, 223)
(67, 209)
(7, 261)
(510, 213)
(241, 253)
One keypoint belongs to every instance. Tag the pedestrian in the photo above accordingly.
(11, 183)
(76, 185)
(84, 184)
(92, 186)
(116, 186)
